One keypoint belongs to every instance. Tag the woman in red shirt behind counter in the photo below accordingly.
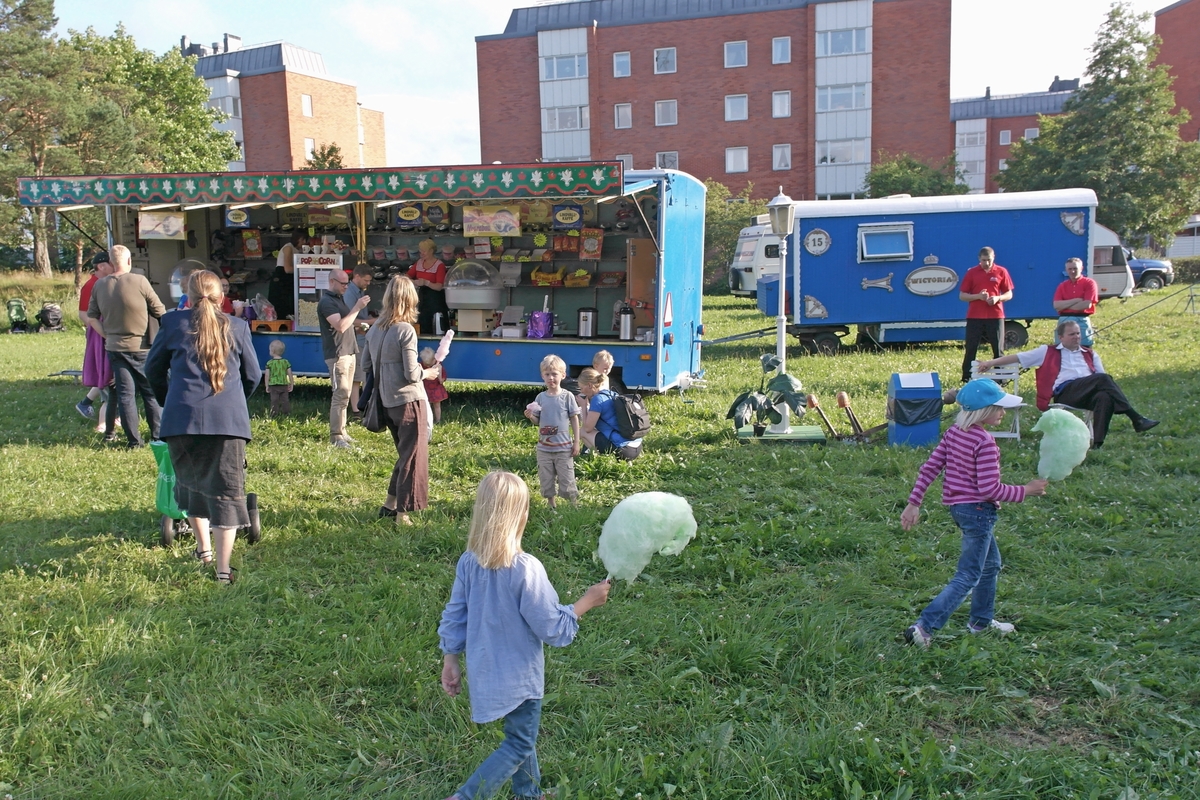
(429, 276)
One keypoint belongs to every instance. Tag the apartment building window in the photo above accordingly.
(566, 118)
(626, 160)
(1005, 137)
(844, 151)
(558, 68)
(736, 107)
(310, 147)
(666, 112)
(971, 167)
(972, 139)
(781, 50)
(737, 159)
(306, 105)
(622, 67)
(668, 159)
(781, 104)
(1032, 133)
(841, 98)
(842, 43)
(664, 60)
(623, 115)
(735, 54)
(781, 156)
(1003, 165)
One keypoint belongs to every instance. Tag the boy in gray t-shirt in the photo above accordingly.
(556, 413)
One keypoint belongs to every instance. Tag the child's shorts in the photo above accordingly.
(557, 466)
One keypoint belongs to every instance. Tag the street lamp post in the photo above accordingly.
(783, 219)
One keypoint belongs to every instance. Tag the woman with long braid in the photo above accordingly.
(202, 368)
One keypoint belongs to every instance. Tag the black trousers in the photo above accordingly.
(978, 332)
(129, 379)
(1099, 394)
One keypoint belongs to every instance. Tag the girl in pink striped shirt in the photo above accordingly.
(972, 489)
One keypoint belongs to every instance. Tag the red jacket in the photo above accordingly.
(1047, 374)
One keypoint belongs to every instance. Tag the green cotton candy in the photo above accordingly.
(642, 525)
(1065, 443)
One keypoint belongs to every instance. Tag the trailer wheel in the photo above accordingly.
(826, 344)
(1015, 335)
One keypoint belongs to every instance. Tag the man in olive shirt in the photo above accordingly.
(120, 310)
(339, 348)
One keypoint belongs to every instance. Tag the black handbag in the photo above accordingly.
(374, 415)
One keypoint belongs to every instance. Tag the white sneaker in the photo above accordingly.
(342, 444)
(1002, 628)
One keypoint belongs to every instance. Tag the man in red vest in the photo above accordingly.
(1070, 374)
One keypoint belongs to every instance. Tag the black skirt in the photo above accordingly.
(210, 478)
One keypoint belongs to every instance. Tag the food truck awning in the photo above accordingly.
(575, 180)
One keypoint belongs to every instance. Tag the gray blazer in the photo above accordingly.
(394, 349)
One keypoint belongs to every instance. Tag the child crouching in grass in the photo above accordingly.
(502, 608)
(972, 489)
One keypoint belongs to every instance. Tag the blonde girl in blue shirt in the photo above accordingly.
(502, 608)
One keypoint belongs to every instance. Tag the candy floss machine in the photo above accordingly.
(473, 289)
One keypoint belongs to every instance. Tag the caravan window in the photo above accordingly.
(745, 250)
(891, 241)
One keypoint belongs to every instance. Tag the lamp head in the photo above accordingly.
(783, 214)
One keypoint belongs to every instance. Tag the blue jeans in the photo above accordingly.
(129, 380)
(515, 758)
(978, 567)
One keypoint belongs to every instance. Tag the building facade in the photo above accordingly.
(282, 105)
(802, 94)
(1178, 25)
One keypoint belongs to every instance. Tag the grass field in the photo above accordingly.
(763, 662)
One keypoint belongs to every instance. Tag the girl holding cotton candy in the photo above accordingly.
(502, 609)
(972, 489)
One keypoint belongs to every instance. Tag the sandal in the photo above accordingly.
(384, 511)
(205, 557)
(225, 578)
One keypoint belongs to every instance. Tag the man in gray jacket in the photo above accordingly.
(121, 308)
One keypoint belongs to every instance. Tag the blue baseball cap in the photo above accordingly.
(982, 392)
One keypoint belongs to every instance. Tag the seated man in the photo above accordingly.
(1073, 375)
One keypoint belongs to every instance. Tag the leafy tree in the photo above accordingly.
(326, 156)
(1119, 137)
(725, 214)
(904, 174)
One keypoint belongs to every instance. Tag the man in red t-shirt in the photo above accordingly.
(984, 289)
(1075, 299)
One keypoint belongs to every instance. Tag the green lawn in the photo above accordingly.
(763, 662)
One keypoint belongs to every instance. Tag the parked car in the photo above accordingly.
(1150, 273)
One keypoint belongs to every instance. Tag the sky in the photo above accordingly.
(415, 60)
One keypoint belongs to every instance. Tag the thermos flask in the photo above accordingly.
(626, 329)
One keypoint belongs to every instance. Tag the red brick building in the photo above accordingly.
(282, 105)
(1179, 27)
(798, 93)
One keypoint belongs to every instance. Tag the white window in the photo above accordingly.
(310, 147)
(566, 118)
(667, 160)
(666, 112)
(664, 60)
(844, 151)
(781, 104)
(735, 54)
(781, 50)
(737, 159)
(623, 115)
(1032, 133)
(557, 68)
(1005, 137)
(971, 167)
(621, 65)
(885, 242)
(841, 98)
(972, 139)
(626, 160)
(1003, 165)
(842, 43)
(736, 107)
(781, 156)
(306, 105)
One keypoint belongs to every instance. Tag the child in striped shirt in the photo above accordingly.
(972, 489)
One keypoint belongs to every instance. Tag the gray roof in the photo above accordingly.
(614, 13)
(1011, 105)
(259, 59)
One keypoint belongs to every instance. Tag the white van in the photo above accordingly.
(1110, 270)
(757, 254)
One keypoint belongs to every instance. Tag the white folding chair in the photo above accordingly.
(1011, 372)
(1087, 416)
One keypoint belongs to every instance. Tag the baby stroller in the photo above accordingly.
(174, 519)
(50, 318)
(18, 319)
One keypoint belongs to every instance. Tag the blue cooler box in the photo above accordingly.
(914, 408)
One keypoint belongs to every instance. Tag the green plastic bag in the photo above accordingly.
(164, 488)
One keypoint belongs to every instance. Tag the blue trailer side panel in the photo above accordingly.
(678, 310)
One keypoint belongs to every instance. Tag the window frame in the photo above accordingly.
(826, 93)
(868, 229)
(583, 116)
(1002, 165)
(1035, 131)
(662, 104)
(626, 160)
(306, 105)
(775, 97)
(824, 40)
(617, 116)
(733, 98)
(658, 159)
(310, 148)
(745, 45)
(775, 148)
(555, 59)
(674, 62)
(628, 64)
(745, 151)
(863, 155)
(1005, 138)
(774, 54)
